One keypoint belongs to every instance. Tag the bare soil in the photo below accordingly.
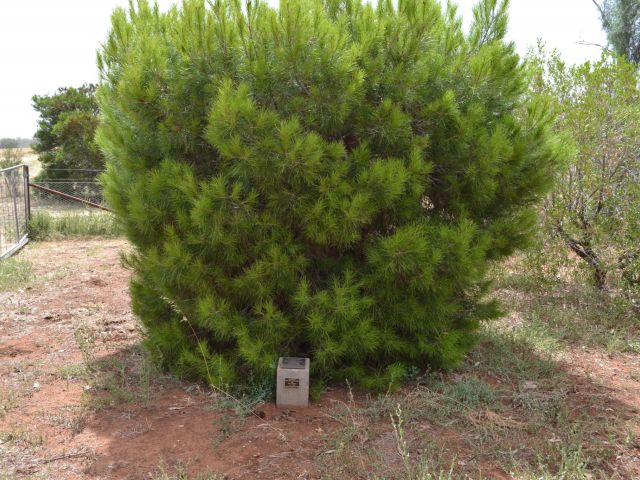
(79, 401)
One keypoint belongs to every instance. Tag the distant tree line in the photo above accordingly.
(17, 142)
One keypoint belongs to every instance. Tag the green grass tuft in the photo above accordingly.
(44, 226)
(14, 274)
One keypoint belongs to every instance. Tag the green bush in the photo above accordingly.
(327, 179)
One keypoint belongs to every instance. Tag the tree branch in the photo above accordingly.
(599, 9)
(591, 44)
(584, 251)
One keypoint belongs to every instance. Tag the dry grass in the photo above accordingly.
(30, 158)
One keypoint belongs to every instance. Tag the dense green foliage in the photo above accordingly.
(621, 21)
(594, 207)
(329, 179)
(65, 139)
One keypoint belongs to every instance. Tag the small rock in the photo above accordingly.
(36, 386)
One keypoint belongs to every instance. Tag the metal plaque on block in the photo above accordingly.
(292, 389)
(293, 362)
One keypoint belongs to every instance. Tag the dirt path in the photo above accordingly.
(78, 400)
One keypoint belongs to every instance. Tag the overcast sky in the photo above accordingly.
(45, 44)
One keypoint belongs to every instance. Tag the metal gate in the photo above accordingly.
(14, 209)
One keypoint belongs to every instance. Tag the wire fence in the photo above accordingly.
(67, 192)
(64, 204)
(14, 209)
(64, 197)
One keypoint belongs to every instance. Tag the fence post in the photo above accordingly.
(14, 184)
(27, 192)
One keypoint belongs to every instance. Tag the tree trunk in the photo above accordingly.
(584, 251)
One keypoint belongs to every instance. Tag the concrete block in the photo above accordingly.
(292, 387)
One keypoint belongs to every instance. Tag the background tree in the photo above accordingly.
(65, 139)
(594, 206)
(329, 179)
(621, 20)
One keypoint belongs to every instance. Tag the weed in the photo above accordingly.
(72, 418)
(226, 426)
(111, 380)
(86, 342)
(572, 466)
(73, 371)
(244, 399)
(126, 378)
(44, 226)
(8, 401)
(179, 472)
(14, 273)
(29, 439)
(442, 402)
(419, 470)
(569, 313)
(470, 392)
(510, 355)
(543, 408)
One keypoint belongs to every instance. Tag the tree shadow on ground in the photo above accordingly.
(510, 410)
(141, 421)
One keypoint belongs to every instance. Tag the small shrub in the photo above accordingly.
(471, 392)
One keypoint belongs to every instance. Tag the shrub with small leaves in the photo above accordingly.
(329, 179)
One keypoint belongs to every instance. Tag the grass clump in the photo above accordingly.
(567, 314)
(44, 226)
(122, 378)
(14, 273)
(8, 401)
(179, 472)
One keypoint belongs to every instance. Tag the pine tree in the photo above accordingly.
(328, 179)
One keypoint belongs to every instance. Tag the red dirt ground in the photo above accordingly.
(53, 425)
(82, 281)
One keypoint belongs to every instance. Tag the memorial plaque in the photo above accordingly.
(292, 388)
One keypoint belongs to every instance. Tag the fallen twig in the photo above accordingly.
(63, 456)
